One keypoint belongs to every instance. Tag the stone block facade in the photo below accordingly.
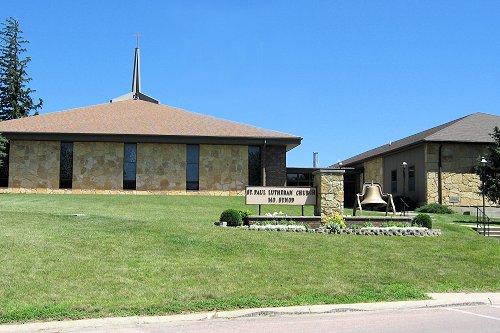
(374, 170)
(34, 165)
(275, 164)
(161, 167)
(97, 165)
(223, 167)
(458, 177)
(330, 192)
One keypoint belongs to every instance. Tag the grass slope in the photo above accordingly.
(161, 254)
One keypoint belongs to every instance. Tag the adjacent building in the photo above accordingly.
(440, 163)
(134, 143)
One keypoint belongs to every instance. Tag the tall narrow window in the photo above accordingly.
(192, 167)
(129, 166)
(254, 169)
(411, 178)
(4, 169)
(394, 181)
(66, 165)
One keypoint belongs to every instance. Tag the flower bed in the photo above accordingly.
(393, 231)
(372, 231)
(274, 227)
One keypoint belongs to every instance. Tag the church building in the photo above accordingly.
(135, 144)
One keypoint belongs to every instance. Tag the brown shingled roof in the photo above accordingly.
(474, 128)
(139, 118)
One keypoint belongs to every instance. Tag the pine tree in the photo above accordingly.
(492, 169)
(3, 145)
(15, 99)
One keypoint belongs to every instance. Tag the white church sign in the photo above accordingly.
(267, 195)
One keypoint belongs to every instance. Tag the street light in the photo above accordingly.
(404, 164)
(483, 165)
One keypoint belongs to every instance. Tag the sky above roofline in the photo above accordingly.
(346, 76)
(474, 128)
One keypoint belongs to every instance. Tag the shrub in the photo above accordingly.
(335, 218)
(423, 220)
(244, 216)
(232, 217)
(367, 225)
(435, 208)
(333, 227)
(334, 223)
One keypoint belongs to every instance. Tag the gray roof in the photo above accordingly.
(474, 128)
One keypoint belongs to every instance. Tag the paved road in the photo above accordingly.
(484, 319)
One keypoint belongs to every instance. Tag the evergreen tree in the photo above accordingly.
(3, 145)
(15, 99)
(492, 169)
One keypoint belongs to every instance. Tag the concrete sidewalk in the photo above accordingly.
(438, 300)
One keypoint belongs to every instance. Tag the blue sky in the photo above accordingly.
(347, 76)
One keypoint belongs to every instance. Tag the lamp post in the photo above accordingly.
(483, 165)
(404, 164)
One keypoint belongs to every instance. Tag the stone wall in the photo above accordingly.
(330, 192)
(97, 166)
(161, 167)
(374, 170)
(223, 168)
(275, 164)
(34, 165)
(458, 177)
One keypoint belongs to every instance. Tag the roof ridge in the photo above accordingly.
(441, 127)
(138, 117)
(432, 134)
(227, 120)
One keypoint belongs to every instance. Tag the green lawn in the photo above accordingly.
(162, 254)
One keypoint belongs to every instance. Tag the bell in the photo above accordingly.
(373, 197)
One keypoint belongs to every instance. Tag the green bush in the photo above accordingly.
(435, 208)
(232, 217)
(334, 223)
(333, 227)
(423, 220)
(335, 218)
(244, 216)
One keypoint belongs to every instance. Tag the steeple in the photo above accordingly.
(136, 82)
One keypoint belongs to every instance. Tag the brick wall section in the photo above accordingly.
(34, 164)
(275, 163)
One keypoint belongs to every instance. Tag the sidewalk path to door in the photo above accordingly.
(134, 324)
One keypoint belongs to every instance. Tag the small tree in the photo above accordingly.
(492, 169)
(3, 145)
(15, 99)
